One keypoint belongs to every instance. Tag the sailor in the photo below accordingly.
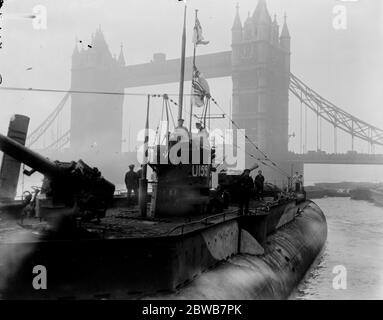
(131, 179)
(204, 134)
(296, 182)
(246, 184)
(139, 174)
(259, 182)
(181, 124)
(139, 177)
(201, 129)
(301, 183)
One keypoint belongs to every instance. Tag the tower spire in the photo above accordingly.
(121, 58)
(261, 13)
(75, 50)
(236, 30)
(237, 20)
(285, 34)
(275, 31)
(285, 39)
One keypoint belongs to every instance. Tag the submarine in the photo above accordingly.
(94, 247)
(185, 239)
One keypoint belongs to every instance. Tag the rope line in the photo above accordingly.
(166, 97)
(276, 168)
(252, 142)
(88, 92)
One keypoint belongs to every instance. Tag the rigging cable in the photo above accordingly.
(262, 161)
(87, 92)
(252, 143)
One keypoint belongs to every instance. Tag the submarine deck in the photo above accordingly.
(123, 222)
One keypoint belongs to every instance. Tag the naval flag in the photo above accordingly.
(200, 89)
(198, 37)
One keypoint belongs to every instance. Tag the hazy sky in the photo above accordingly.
(344, 66)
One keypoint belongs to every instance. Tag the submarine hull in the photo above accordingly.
(241, 257)
(289, 254)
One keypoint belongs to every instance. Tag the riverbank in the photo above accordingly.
(365, 191)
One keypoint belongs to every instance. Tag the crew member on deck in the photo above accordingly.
(296, 182)
(259, 185)
(139, 177)
(131, 179)
(301, 183)
(201, 130)
(246, 185)
(139, 174)
(204, 134)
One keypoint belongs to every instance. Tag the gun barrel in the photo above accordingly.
(28, 157)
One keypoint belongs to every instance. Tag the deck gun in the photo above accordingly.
(73, 186)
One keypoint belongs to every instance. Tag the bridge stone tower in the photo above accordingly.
(261, 75)
(96, 119)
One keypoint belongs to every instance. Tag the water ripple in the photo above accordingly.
(355, 241)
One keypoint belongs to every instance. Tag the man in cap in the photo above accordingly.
(246, 185)
(296, 182)
(259, 184)
(139, 173)
(131, 182)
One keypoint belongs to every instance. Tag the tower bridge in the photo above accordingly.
(259, 65)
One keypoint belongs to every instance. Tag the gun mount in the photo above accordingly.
(75, 187)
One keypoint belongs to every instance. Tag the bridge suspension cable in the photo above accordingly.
(323, 108)
(337, 117)
(43, 127)
(60, 142)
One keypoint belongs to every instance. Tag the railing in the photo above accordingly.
(263, 209)
(202, 221)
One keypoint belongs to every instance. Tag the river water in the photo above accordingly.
(355, 242)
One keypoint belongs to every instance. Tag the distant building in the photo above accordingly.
(261, 78)
(96, 119)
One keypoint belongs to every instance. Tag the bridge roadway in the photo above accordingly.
(308, 158)
(346, 158)
(216, 65)
(162, 71)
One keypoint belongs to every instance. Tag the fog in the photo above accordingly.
(342, 65)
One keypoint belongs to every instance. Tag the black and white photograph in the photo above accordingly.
(215, 152)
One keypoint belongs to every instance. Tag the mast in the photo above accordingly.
(194, 54)
(182, 78)
(143, 181)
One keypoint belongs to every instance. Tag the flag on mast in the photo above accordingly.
(200, 89)
(198, 37)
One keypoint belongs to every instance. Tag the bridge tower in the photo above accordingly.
(96, 119)
(261, 76)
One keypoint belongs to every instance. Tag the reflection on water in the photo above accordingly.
(355, 241)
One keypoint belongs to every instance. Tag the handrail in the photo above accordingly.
(204, 220)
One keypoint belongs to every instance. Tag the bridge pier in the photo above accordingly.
(261, 79)
(96, 119)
